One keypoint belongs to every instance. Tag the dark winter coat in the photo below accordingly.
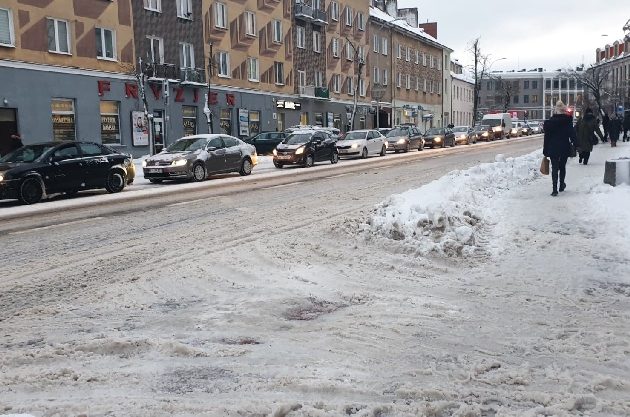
(559, 134)
(587, 128)
(626, 121)
(614, 128)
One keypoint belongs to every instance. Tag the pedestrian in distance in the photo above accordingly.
(606, 125)
(16, 142)
(614, 129)
(559, 137)
(626, 127)
(587, 131)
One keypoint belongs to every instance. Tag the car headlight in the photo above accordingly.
(275, 153)
(1, 177)
(485, 134)
(386, 143)
(438, 139)
(354, 146)
(144, 163)
(179, 162)
(300, 150)
(401, 141)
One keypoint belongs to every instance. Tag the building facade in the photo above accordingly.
(615, 59)
(79, 58)
(462, 96)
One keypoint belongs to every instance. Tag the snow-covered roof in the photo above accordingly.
(462, 77)
(402, 24)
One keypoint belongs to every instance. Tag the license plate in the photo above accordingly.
(155, 171)
(283, 157)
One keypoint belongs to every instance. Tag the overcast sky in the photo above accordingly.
(529, 33)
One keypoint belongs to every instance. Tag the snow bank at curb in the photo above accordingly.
(448, 215)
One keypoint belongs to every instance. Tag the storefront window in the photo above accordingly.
(110, 123)
(319, 119)
(63, 119)
(362, 122)
(254, 122)
(304, 118)
(337, 121)
(226, 121)
(190, 120)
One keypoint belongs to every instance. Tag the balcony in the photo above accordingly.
(303, 11)
(306, 91)
(193, 75)
(267, 5)
(322, 93)
(162, 71)
(319, 17)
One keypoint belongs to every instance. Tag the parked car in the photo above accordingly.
(485, 133)
(384, 130)
(266, 142)
(463, 135)
(403, 138)
(439, 136)
(197, 157)
(362, 143)
(536, 127)
(306, 147)
(516, 130)
(32, 171)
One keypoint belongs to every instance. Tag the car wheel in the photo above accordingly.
(246, 167)
(277, 165)
(334, 158)
(364, 153)
(383, 151)
(155, 181)
(115, 181)
(421, 147)
(30, 191)
(309, 161)
(443, 144)
(198, 172)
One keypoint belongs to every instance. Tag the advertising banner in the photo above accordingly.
(139, 129)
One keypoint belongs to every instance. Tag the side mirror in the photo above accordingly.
(211, 148)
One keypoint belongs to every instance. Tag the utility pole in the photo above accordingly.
(140, 80)
(206, 108)
(360, 64)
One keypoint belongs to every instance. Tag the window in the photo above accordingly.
(220, 15)
(250, 24)
(155, 49)
(253, 69)
(186, 55)
(515, 99)
(334, 11)
(67, 152)
(361, 21)
(153, 5)
(278, 69)
(224, 64)
(362, 89)
(535, 99)
(63, 119)
(350, 85)
(301, 36)
(105, 43)
(301, 79)
(110, 122)
(317, 38)
(408, 82)
(385, 76)
(184, 9)
(417, 57)
(349, 52)
(189, 116)
(384, 45)
(92, 149)
(417, 83)
(319, 79)
(7, 37)
(525, 99)
(58, 36)
(439, 64)
(408, 54)
(349, 16)
(525, 85)
(431, 61)
(335, 47)
(424, 85)
(375, 43)
(336, 83)
(534, 84)
(399, 80)
(376, 77)
(424, 59)
(361, 54)
(399, 54)
(277, 31)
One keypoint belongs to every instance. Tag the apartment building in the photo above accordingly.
(65, 69)
(462, 96)
(380, 69)
(615, 58)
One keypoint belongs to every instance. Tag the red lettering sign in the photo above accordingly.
(131, 90)
(179, 94)
(157, 90)
(196, 94)
(213, 98)
(102, 87)
(231, 100)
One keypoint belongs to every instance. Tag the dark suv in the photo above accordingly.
(306, 147)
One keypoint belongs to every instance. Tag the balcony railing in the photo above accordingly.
(193, 75)
(162, 71)
(303, 11)
(320, 17)
(322, 92)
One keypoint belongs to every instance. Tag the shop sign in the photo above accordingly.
(230, 99)
(109, 124)
(139, 128)
(190, 127)
(243, 122)
(289, 105)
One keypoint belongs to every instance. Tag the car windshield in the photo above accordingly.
(435, 131)
(298, 138)
(355, 136)
(28, 153)
(399, 131)
(481, 128)
(493, 122)
(460, 129)
(187, 145)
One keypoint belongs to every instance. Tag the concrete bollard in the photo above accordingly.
(617, 171)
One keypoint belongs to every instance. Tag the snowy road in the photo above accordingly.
(271, 300)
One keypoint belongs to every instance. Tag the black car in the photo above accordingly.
(483, 132)
(306, 147)
(266, 142)
(32, 171)
(403, 138)
(439, 136)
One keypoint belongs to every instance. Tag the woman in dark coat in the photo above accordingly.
(587, 128)
(559, 136)
(615, 129)
(626, 126)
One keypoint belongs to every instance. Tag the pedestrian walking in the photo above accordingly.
(559, 137)
(626, 127)
(614, 129)
(606, 124)
(587, 129)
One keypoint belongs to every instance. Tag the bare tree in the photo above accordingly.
(506, 90)
(360, 60)
(480, 71)
(594, 80)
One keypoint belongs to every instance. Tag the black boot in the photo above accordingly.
(554, 193)
(563, 187)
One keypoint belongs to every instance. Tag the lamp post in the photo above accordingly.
(206, 108)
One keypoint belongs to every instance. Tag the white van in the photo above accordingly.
(501, 123)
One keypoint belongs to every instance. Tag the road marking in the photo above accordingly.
(52, 226)
(183, 203)
(282, 185)
(338, 175)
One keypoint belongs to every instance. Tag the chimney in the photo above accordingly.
(429, 28)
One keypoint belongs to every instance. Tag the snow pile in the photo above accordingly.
(448, 216)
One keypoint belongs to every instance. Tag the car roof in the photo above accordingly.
(360, 130)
